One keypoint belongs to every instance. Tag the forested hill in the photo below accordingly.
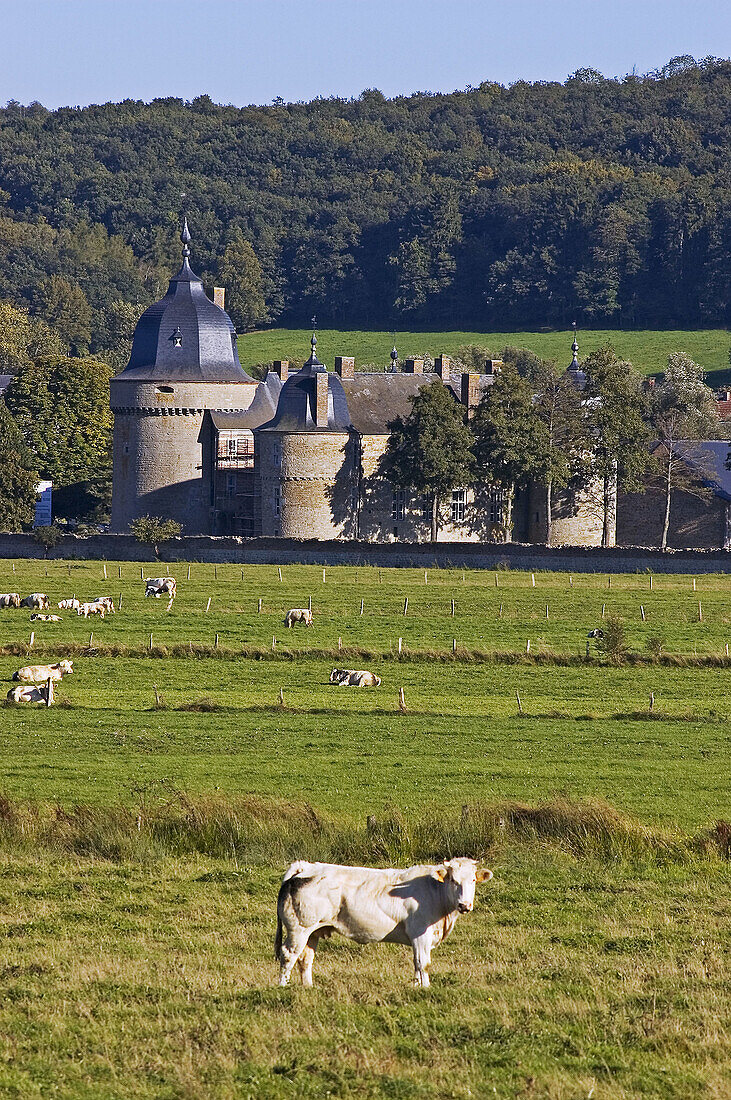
(605, 201)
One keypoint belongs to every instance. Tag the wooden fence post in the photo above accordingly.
(104, 567)
(400, 644)
(309, 603)
(189, 572)
(361, 606)
(642, 612)
(401, 699)
(279, 571)
(32, 639)
(453, 607)
(208, 605)
(520, 705)
(150, 642)
(259, 607)
(49, 692)
(406, 604)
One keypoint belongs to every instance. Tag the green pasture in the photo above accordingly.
(590, 968)
(647, 349)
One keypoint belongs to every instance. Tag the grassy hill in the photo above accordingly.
(648, 349)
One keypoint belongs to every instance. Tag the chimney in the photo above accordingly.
(493, 366)
(443, 367)
(321, 388)
(219, 296)
(413, 366)
(470, 391)
(281, 369)
(345, 366)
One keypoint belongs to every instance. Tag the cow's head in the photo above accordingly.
(461, 875)
(65, 667)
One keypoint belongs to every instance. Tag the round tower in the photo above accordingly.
(184, 363)
(306, 458)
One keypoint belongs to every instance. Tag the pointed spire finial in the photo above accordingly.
(394, 359)
(575, 350)
(313, 341)
(185, 238)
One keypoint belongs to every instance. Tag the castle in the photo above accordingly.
(198, 440)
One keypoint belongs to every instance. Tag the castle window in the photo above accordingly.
(164, 390)
(277, 500)
(495, 505)
(427, 503)
(276, 454)
(398, 504)
(459, 501)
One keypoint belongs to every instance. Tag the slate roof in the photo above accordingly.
(296, 406)
(185, 337)
(261, 409)
(5, 380)
(374, 399)
(708, 458)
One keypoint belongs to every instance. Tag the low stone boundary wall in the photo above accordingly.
(271, 551)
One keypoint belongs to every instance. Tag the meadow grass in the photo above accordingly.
(142, 838)
(647, 349)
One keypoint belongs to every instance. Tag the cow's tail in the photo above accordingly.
(278, 938)
(293, 871)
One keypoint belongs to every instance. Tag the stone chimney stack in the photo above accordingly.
(345, 366)
(321, 390)
(443, 367)
(470, 392)
(493, 366)
(413, 366)
(281, 369)
(219, 296)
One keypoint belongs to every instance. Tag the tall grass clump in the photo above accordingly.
(612, 643)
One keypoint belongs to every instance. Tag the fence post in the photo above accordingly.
(401, 699)
(259, 607)
(188, 572)
(32, 639)
(520, 705)
(309, 603)
(406, 604)
(527, 646)
(104, 567)
(642, 612)
(279, 570)
(400, 643)
(700, 612)
(119, 602)
(150, 642)
(454, 645)
(453, 607)
(361, 606)
(533, 580)
(208, 605)
(49, 692)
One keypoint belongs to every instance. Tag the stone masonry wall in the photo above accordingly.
(270, 551)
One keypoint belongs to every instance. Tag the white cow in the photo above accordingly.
(161, 586)
(10, 599)
(351, 677)
(87, 609)
(41, 617)
(298, 615)
(38, 674)
(29, 694)
(37, 601)
(416, 906)
(106, 601)
(69, 605)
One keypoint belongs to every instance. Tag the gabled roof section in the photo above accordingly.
(261, 409)
(296, 408)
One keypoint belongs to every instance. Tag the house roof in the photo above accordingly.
(375, 399)
(296, 407)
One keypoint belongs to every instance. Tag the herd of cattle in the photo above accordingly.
(156, 587)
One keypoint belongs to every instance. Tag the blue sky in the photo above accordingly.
(69, 52)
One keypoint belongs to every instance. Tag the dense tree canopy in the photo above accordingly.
(18, 476)
(608, 201)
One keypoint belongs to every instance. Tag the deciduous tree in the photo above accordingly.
(18, 476)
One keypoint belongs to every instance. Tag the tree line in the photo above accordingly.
(536, 424)
(604, 200)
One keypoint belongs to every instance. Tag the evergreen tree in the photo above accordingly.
(615, 407)
(429, 451)
(240, 274)
(18, 476)
(509, 436)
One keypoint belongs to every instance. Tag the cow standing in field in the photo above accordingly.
(69, 605)
(417, 906)
(106, 602)
(298, 615)
(351, 677)
(37, 601)
(37, 674)
(10, 599)
(87, 609)
(161, 586)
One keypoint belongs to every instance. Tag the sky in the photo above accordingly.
(76, 52)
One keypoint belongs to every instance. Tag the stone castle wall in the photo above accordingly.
(306, 481)
(162, 449)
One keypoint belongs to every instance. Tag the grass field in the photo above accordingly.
(141, 845)
(647, 349)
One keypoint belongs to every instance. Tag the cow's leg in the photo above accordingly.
(291, 951)
(422, 961)
(304, 962)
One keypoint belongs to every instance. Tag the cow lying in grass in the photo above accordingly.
(417, 906)
(41, 617)
(38, 674)
(350, 677)
(298, 615)
(29, 694)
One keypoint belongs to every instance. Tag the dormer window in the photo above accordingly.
(177, 338)
(164, 390)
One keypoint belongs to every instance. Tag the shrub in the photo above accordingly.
(655, 645)
(48, 537)
(153, 530)
(613, 643)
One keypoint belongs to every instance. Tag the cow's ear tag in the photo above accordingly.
(483, 875)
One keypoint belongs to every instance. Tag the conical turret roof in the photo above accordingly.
(185, 337)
